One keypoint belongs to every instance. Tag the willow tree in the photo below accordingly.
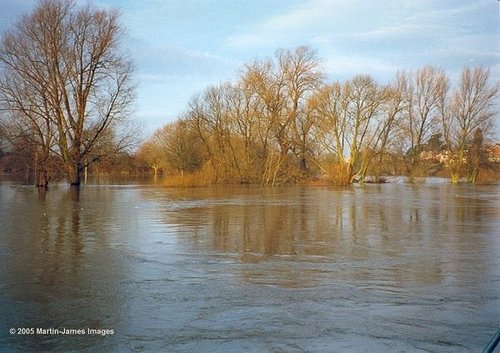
(66, 80)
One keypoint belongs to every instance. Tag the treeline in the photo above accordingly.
(280, 121)
(66, 93)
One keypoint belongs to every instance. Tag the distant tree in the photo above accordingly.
(266, 83)
(389, 132)
(466, 119)
(352, 126)
(435, 143)
(244, 118)
(300, 69)
(3, 139)
(210, 119)
(150, 153)
(423, 90)
(28, 131)
(477, 156)
(64, 81)
(281, 87)
(180, 147)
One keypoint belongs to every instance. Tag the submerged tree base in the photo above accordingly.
(487, 176)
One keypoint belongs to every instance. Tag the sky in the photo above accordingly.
(181, 47)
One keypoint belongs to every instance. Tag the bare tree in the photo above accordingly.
(261, 82)
(424, 90)
(4, 142)
(150, 153)
(180, 147)
(302, 76)
(477, 156)
(330, 106)
(388, 130)
(64, 75)
(467, 118)
(211, 117)
(352, 125)
(26, 121)
(243, 114)
(281, 87)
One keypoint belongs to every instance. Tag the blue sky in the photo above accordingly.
(181, 47)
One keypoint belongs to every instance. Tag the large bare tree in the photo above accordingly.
(65, 81)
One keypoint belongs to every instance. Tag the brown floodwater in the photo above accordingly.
(141, 268)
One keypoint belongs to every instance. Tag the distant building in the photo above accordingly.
(493, 154)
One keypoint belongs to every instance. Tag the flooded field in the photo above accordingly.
(140, 268)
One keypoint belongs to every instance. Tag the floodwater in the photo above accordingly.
(374, 268)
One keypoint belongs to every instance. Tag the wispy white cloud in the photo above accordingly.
(342, 67)
(310, 18)
(163, 59)
(377, 36)
(394, 32)
(272, 31)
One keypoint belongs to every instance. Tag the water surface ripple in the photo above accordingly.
(378, 268)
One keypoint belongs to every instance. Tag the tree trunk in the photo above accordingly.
(74, 173)
(456, 166)
(454, 178)
(303, 165)
(41, 172)
(342, 173)
(42, 180)
(474, 175)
